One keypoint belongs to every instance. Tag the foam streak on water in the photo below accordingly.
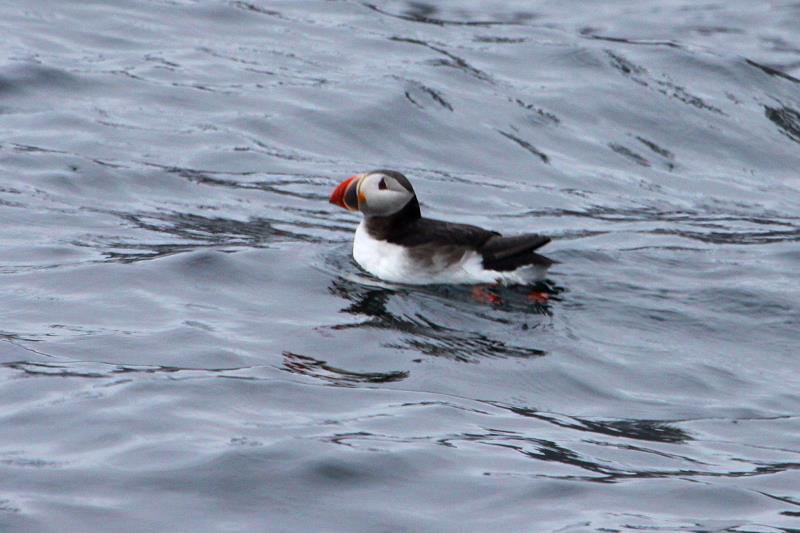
(186, 344)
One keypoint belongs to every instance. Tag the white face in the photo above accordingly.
(382, 194)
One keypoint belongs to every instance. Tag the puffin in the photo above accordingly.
(395, 243)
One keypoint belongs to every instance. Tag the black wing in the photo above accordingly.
(429, 237)
(438, 232)
(509, 253)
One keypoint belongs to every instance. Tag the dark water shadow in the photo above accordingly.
(450, 59)
(429, 13)
(190, 231)
(646, 430)
(96, 370)
(309, 366)
(787, 120)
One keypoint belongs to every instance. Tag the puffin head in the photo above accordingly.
(378, 193)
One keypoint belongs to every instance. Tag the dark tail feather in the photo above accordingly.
(542, 261)
(509, 253)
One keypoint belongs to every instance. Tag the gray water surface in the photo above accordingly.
(188, 345)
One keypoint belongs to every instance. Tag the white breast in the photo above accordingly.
(392, 262)
(380, 258)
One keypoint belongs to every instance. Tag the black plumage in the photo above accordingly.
(509, 253)
(427, 238)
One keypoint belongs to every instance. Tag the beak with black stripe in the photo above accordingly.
(380, 193)
(345, 195)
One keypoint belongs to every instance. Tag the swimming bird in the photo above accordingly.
(395, 243)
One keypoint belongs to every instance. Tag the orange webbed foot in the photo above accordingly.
(482, 294)
(538, 297)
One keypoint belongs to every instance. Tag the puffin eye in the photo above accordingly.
(382, 184)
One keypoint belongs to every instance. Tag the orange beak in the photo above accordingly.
(338, 194)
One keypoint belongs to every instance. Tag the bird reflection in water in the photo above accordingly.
(309, 366)
(431, 318)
